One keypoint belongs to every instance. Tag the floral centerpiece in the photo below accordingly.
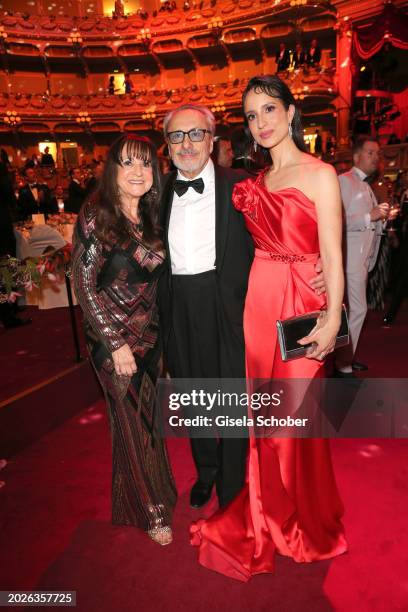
(64, 218)
(22, 275)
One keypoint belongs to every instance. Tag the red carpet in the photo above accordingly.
(38, 351)
(56, 534)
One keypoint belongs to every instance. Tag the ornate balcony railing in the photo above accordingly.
(314, 90)
(103, 28)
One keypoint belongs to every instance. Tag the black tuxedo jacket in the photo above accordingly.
(299, 59)
(76, 197)
(234, 254)
(282, 64)
(27, 205)
(315, 58)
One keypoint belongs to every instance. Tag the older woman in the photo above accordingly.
(118, 258)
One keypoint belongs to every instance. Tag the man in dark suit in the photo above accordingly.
(299, 56)
(92, 183)
(282, 58)
(314, 54)
(33, 197)
(76, 192)
(209, 257)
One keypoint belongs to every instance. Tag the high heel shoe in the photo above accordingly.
(161, 535)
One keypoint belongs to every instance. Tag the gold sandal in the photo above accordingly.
(161, 535)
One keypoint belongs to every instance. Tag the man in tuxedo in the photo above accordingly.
(209, 257)
(299, 57)
(92, 183)
(314, 54)
(282, 58)
(76, 192)
(363, 226)
(33, 197)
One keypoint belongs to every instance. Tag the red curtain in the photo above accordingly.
(400, 125)
(391, 26)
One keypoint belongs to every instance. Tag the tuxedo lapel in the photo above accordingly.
(167, 202)
(222, 212)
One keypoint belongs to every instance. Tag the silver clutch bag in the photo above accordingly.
(293, 329)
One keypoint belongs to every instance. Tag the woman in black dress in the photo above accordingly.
(117, 261)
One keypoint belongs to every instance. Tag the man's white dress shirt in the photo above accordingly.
(192, 226)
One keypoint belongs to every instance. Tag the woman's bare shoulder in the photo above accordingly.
(315, 164)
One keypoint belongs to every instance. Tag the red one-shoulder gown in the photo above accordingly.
(290, 503)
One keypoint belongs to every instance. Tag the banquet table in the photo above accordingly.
(31, 241)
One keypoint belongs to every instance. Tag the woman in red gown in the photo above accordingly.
(290, 504)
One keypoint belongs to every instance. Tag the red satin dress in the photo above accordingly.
(290, 503)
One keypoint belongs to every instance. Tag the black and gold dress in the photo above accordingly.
(117, 289)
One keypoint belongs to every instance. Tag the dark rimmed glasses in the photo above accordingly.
(195, 135)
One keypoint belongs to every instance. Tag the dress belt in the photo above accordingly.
(286, 258)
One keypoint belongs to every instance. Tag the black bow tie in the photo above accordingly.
(33, 185)
(180, 187)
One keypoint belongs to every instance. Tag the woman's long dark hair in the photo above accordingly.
(273, 86)
(111, 225)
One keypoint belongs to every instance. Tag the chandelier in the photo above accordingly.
(144, 36)
(83, 118)
(12, 119)
(75, 38)
(149, 115)
(218, 108)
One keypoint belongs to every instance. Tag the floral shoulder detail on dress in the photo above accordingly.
(245, 197)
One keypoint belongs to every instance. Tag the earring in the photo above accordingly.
(255, 146)
(290, 131)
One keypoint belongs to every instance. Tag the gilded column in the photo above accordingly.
(344, 78)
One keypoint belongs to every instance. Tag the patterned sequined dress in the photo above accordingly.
(116, 288)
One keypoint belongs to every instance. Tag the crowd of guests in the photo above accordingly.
(298, 58)
(29, 193)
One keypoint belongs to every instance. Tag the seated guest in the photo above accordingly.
(57, 200)
(76, 191)
(33, 197)
(314, 54)
(299, 56)
(282, 58)
(46, 158)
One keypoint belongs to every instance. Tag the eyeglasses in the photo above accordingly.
(195, 135)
